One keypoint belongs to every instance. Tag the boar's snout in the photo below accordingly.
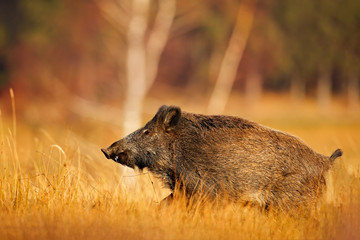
(121, 157)
(106, 153)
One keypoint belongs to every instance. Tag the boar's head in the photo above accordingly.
(149, 144)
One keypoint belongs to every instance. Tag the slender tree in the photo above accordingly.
(232, 57)
(144, 48)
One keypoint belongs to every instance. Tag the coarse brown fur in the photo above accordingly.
(225, 156)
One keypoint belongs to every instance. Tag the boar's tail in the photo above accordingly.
(335, 155)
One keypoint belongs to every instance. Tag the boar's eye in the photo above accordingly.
(146, 132)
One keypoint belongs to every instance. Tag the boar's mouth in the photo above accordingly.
(119, 158)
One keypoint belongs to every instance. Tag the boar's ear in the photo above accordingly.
(169, 117)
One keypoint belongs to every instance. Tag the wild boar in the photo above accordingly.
(225, 156)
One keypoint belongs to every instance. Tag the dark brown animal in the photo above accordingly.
(226, 156)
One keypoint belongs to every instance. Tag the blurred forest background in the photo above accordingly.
(104, 57)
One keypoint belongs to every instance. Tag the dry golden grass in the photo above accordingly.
(55, 184)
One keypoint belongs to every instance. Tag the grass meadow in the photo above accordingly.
(56, 184)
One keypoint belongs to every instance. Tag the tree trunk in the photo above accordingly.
(297, 89)
(158, 37)
(136, 65)
(232, 57)
(353, 92)
(143, 59)
(324, 90)
(253, 87)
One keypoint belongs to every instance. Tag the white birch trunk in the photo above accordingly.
(143, 59)
(232, 57)
(136, 65)
(158, 37)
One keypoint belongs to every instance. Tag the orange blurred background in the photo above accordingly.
(118, 61)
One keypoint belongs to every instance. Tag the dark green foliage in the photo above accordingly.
(319, 33)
